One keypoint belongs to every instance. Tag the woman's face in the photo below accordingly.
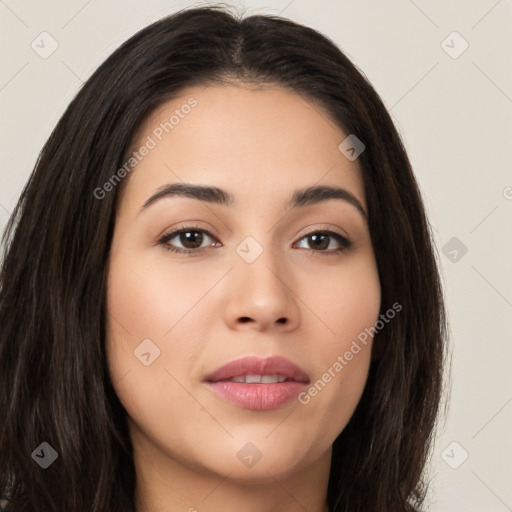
(262, 279)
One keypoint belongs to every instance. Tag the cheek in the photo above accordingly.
(150, 299)
(346, 299)
(145, 358)
(145, 300)
(141, 311)
(348, 305)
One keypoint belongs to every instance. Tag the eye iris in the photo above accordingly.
(324, 243)
(196, 237)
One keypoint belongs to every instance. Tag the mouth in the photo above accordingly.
(257, 379)
(255, 370)
(258, 384)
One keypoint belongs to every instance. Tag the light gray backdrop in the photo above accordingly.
(444, 70)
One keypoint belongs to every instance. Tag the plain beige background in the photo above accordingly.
(453, 108)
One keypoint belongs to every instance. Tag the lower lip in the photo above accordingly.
(260, 397)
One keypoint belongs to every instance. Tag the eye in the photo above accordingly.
(191, 238)
(321, 240)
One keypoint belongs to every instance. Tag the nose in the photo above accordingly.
(261, 296)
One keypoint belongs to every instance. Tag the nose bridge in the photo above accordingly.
(260, 264)
(259, 287)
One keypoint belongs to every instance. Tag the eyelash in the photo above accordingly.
(345, 243)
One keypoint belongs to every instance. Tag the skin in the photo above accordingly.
(260, 144)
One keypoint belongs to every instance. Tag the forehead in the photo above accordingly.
(253, 141)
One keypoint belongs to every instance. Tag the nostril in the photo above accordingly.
(245, 319)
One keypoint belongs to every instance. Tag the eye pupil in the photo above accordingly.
(324, 243)
(187, 237)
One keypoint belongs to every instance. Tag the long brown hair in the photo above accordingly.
(54, 383)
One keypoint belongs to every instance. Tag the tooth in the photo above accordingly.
(267, 379)
(250, 379)
(258, 379)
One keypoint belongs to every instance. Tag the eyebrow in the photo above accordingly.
(214, 195)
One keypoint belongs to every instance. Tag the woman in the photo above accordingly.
(219, 287)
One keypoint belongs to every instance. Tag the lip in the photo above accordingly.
(258, 396)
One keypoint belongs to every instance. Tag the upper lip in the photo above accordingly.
(275, 365)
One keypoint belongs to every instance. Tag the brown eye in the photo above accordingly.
(319, 241)
(190, 238)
